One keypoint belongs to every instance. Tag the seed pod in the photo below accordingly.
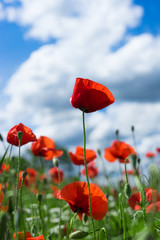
(85, 218)
(39, 197)
(78, 234)
(127, 190)
(20, 135)
(1, 138)
(55, 162)
(133, 158)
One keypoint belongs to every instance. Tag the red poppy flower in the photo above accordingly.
(29, 179)
(77, 196)
(90, 96)
(78, 157)
(28, 135)
(91, 169)
(36, 238)
(158, 150)
(150, 154)
(21, 236)
(49, 153)
(4, 167)
(152, 196)
(45, 147)
(1, 196)
(118, 150)
(53, 172)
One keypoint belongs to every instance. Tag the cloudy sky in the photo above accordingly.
(45, 45)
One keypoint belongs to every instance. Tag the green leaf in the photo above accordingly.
(2, 159)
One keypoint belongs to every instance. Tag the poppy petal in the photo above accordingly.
(90, 96)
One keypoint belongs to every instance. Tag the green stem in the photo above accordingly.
(17, 191)
(4, 173)
(73, 220)
(41, 218)
(60, 209)
(123, 222)
(18, 167)
(126, 169)
(42, 165)
(21, 204)
(85, 163)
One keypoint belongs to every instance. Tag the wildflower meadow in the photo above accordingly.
(39, 201)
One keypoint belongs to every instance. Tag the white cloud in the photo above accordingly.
(65, 18)
(2, 14)
(39, 91)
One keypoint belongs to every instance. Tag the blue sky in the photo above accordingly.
(15, 48)
(113, 42)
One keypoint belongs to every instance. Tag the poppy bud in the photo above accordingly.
(139, 160)
(1, 138)
(56, 162)
(132, 128)
(133, 158)
(39, 197)
(20, 135)
(117, 133)
(85, 218)
(78, 234)
(127, 190)
(99, 152)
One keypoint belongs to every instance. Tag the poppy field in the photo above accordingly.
(39, 201)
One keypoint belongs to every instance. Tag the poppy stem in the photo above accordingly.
(87, 178)
(126, 169)
(60, 210)
(18, 167)
(17, 191)
(8, 159)
(39, 198)
(73, 220)
(123, 221)
(21, 203)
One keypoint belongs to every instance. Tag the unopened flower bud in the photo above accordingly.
(117, 133)
(1, 138)
(132, 128)
(56, 162)
(133, 158)
(20, 135)
(39, 197)
(85, 218)
(78, 234)
(99, 152)
(139, 160)
(127, 190)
